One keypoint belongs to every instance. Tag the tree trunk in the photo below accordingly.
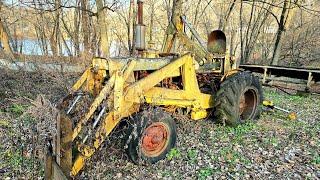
(76, 32)
(129, 26)
(226, 19)
(103, 29)
(241, 32)
(134, 23)
(4, 39)
(54, 39)
(277, 45)
(152, 23)
(85, 27)
(169, 41)
(285, 19)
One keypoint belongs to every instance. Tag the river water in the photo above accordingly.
(34, 47)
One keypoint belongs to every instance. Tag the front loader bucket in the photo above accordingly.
(58, 160)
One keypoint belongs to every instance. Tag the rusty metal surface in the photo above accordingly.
(140, 12)
(52, 170)
(144, 63)
(57, 172)
(217, 42)
(158, 63)
(155, 139)
(64, 143)
(48, 165)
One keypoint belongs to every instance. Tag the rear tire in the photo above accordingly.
(239, 99)
(150, 136)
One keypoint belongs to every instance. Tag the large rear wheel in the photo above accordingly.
(239, 99)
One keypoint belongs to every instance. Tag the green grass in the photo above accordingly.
(16, 160)
(174, 153)
(225, 133)
(4, 123)
(192, 155)
(205, 173)
(17, 109)
(239, 132)
(166, 173)
(28, 120)
(232, 157)
(316, 159)
(270, 141)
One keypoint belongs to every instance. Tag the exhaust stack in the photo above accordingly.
(140, 42)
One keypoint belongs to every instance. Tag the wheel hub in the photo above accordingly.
(248, 104)
(154, 139)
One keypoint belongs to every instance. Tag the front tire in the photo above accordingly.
(150, 136)
(239, 99)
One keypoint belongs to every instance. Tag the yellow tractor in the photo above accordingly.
(204, 82)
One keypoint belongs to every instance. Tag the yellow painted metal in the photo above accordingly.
(227, 64)
(103, 131)
(103, 94)
(80, 82)
(189, 97)
(150, 54)
(129, 69)
(118, 95)
(90, 82)
(181, 98)
(127, 96)
(268, 103)
(123, 95)
(135, 91)
(230, 73)
(99, 64)
(189, 78)
(119, 111)
(200, 114)
(78, 164)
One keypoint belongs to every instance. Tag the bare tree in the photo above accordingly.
(251, 28)
(103, 28)
(288, 11)
(85, 27)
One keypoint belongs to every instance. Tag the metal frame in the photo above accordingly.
(124, 97)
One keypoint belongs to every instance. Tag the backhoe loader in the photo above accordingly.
(203, 81)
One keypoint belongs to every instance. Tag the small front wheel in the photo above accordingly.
(150, 136)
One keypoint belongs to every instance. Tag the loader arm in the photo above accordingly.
(124, 98)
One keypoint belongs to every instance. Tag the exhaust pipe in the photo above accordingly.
(140, 43)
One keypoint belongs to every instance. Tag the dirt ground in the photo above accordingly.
(274, 147)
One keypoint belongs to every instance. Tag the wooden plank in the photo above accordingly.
(310, 77)
(297, 73)
(282, 68)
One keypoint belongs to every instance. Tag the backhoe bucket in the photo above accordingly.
(217, 42)
(58, 160)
